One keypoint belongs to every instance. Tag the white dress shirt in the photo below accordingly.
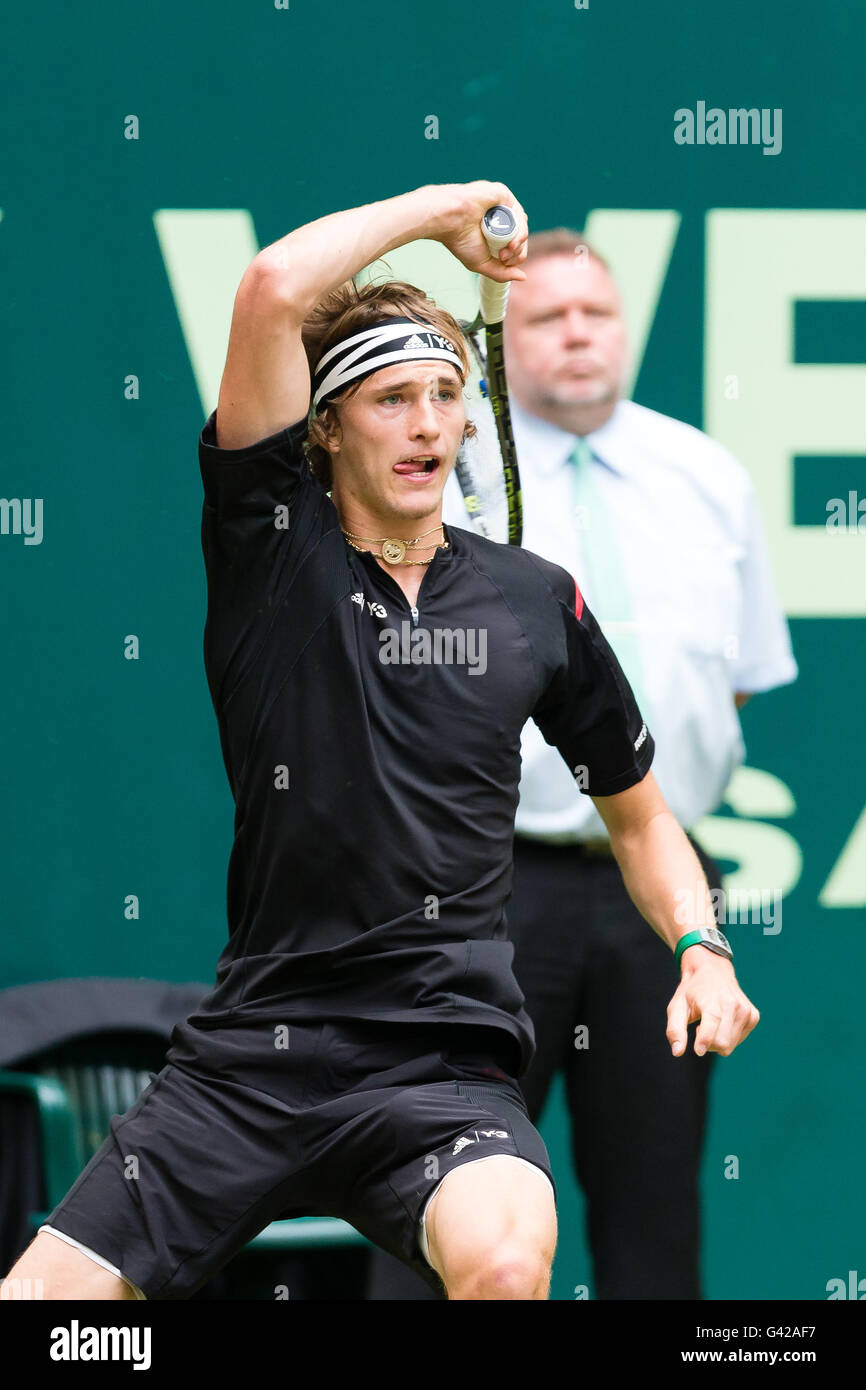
(706, 615)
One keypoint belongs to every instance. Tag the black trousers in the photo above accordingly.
(595, 974)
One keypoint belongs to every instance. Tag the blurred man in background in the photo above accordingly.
(660, 526)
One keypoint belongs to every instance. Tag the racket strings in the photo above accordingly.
(479, 466)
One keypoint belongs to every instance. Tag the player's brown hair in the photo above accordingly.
(560, 241)
(347, 310)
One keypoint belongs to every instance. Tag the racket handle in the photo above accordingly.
(498, 226)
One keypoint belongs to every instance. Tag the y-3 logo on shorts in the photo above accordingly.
(464, 1140)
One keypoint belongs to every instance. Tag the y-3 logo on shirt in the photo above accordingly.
(375, 608)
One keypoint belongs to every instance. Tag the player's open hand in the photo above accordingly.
(462, 231)
(709, 992)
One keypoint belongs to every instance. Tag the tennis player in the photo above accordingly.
(371, 673)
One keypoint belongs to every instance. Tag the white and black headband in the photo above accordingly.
(390, 340)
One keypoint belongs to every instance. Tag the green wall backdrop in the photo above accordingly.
(121, 244)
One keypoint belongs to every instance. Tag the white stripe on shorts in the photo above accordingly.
(93, 1256)
(422, 1223)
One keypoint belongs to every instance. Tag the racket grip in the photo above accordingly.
(498, 226)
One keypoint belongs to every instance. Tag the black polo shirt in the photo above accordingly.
(373, 749)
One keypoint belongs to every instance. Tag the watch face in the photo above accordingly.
(716, 941)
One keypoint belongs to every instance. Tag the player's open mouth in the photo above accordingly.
(419, 466)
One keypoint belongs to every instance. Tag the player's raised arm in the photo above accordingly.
(266, 381)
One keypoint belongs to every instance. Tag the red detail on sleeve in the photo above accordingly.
(578, 600)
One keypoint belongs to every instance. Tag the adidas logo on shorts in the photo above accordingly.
(462, 1143)
(479, 1134)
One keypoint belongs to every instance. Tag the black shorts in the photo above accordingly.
(256, 1121)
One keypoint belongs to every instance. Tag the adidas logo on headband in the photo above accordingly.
(391, 340)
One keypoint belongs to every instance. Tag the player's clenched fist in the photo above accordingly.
(462, 206)
(709, 992)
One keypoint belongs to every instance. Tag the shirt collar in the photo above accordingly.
(551, 445)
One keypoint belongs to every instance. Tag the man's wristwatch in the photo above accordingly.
(711, 937)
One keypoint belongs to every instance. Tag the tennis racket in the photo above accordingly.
(486, 466)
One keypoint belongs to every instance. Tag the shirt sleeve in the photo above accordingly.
(252, 497)
(588, 711)
(243, 488)
(764, 658)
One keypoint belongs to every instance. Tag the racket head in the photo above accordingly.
(486, 464)
(478, 466)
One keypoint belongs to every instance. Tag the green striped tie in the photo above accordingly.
(611, 602)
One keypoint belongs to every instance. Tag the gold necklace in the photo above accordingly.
(393, 551)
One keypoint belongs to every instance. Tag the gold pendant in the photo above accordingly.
(393, 551)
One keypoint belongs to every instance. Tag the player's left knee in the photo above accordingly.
(510, 1271)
